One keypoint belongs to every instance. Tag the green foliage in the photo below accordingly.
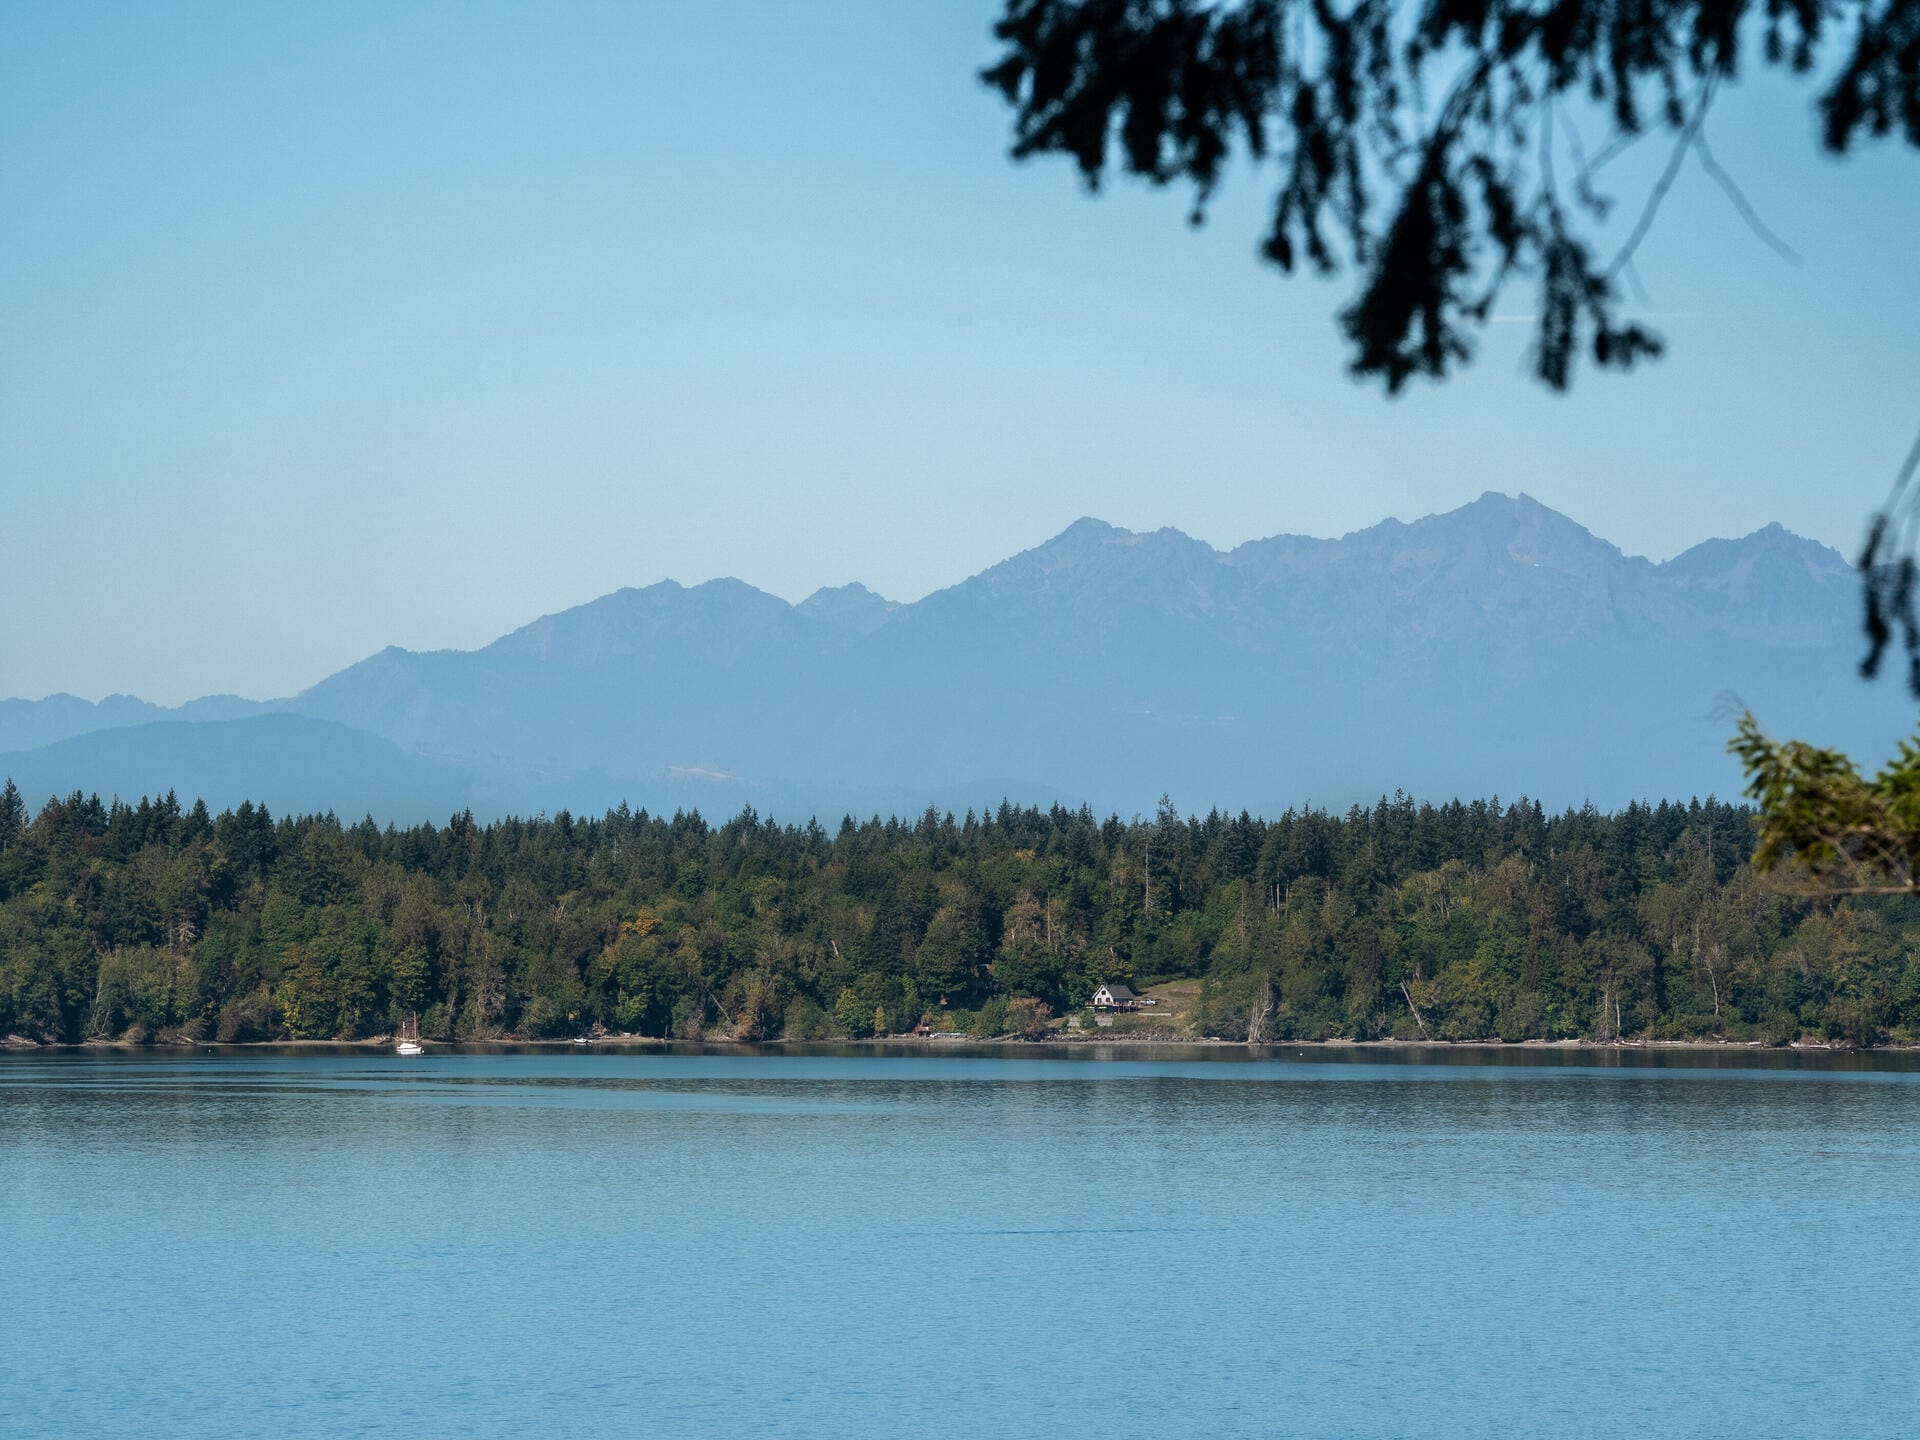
(1460, 921)
(13, 814)
(1027, 1017)
(851, 1016)
(1849, 834)
(805, 1020)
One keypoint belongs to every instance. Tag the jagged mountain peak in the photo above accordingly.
(1096, 570)
(1513, 535)
(1087, 528)
(1771, 544)
(1088, 537)
(1516, 528)
(852, 608)
(721, 611)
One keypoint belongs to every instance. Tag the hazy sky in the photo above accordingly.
(329, 327)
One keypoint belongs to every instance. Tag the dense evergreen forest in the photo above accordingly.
(1459, 921)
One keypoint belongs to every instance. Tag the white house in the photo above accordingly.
(1115, 996)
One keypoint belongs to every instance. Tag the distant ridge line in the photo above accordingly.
(1499, 647)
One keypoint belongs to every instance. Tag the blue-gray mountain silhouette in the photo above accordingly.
(1497, 648)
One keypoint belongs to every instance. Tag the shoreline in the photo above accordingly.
(922, 1044)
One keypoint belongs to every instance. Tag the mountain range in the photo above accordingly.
(1499, 648)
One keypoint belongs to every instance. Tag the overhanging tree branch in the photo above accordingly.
(1171, 90)
(1890, 575)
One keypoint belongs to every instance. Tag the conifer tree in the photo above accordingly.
(13, 814)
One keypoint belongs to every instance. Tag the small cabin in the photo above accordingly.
(1115, 996)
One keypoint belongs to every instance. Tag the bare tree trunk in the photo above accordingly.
(1258, 1016)
(1417, 1018)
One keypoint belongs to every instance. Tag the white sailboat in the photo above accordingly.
(410, 1038)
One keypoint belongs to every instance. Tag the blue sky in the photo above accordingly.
(329, 327)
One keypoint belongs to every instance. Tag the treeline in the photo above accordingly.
(1459, 922)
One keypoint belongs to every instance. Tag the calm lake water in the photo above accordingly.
(300, 1244)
